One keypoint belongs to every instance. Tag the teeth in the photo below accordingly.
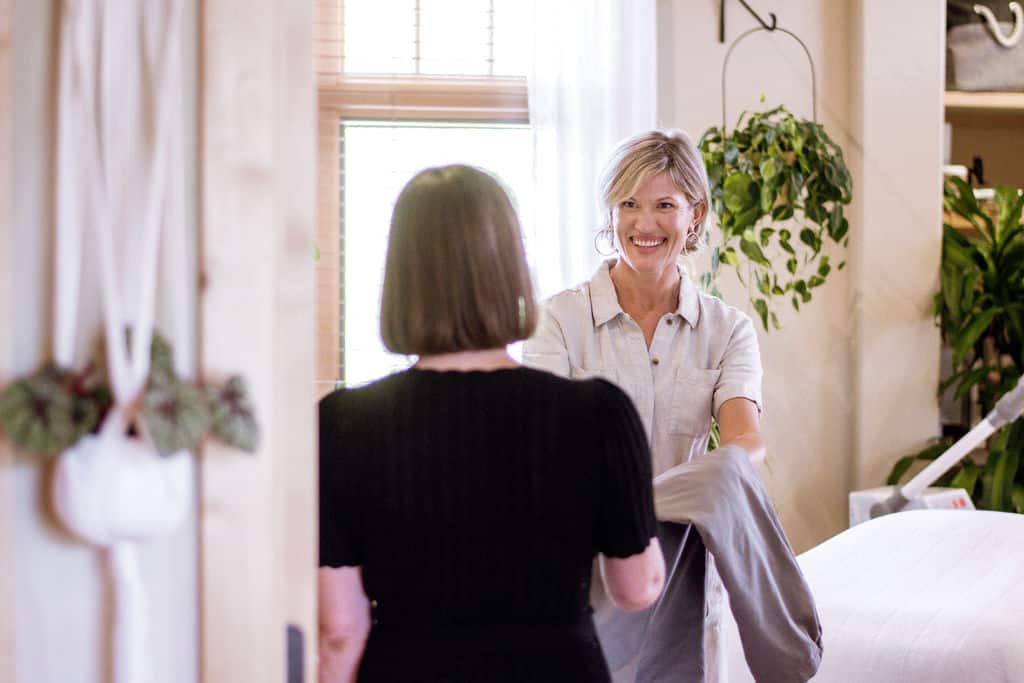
(646, 243)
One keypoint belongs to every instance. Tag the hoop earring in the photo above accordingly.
(606, 234)
(690, 243)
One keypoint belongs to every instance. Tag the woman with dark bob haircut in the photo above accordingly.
(463, 501)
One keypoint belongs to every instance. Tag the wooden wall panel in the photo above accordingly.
(7, 662)
(257, 159)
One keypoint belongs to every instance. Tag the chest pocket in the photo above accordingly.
(692, 396)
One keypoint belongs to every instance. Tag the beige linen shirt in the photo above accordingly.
(702, 355)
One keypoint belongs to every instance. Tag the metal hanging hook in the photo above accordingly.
(810, 60)
(765, 25)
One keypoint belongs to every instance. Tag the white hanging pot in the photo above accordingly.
(112, 487)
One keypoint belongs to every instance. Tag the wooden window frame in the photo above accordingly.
(398, 98)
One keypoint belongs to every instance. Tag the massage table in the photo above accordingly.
(923, 596)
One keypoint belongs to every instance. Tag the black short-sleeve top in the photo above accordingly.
(477, 500)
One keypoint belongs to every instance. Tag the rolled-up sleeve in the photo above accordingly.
(547, 348)
(741, 367)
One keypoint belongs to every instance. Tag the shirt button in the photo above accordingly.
(373, 603)
(654, 361)
(668, 321)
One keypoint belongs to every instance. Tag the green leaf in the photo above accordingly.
(782, 212)
(815, 211)
(1002, 479)
(792, 265)
(968, 380)
(730, 257)
(41, 414)
(161, 359)
(176, 416)
(1018, 498)
(899, 469)
(769, 167)
(972, 333)
(747, 218)
(808, 237)
(753, 252)
(967, 477)
(764, 285)
(732, 152)
(234, 418)
(840, 231)
(801, 288)
(762, 311)
(740, 192)
(815, 281)
(766, 236)
(705, 282)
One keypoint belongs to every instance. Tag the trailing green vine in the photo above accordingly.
(778, 187)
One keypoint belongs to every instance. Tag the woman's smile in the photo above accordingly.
(647, 243)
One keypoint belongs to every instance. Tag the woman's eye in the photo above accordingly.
(628, 204)
(666, 205)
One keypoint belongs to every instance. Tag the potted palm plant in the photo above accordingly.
(980, 310)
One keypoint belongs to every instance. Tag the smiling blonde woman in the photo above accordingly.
(681, 355)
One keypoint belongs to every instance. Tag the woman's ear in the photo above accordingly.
(700, 212)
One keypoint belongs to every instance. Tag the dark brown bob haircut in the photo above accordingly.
(456, 277)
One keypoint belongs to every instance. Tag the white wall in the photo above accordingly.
(827, 433)
(61, 597)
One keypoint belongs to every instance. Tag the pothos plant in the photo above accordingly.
(50, 410)
(778, 188)
(980, 311)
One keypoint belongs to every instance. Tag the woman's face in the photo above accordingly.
(652, 225)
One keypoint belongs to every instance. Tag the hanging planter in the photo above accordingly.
(49, 411)
(778, 187)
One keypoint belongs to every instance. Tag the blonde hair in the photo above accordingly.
(456, 277)
(643, 156)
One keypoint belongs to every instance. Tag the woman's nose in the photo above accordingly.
(645, 220)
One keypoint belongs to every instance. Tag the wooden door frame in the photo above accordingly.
(257, 513)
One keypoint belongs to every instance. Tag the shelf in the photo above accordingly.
(985, 101)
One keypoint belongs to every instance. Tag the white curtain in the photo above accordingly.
(593, 83)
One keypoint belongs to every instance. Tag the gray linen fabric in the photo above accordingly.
(721, 497)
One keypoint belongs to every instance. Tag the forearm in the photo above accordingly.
(739, 424)
(339, 658)
(752, 443)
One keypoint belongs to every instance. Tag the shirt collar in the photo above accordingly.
(605, 304)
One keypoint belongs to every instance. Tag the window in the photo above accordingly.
(403, 85)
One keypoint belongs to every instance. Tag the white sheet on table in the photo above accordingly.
(929, 596)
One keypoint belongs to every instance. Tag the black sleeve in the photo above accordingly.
(626, 519)
(339, 537)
